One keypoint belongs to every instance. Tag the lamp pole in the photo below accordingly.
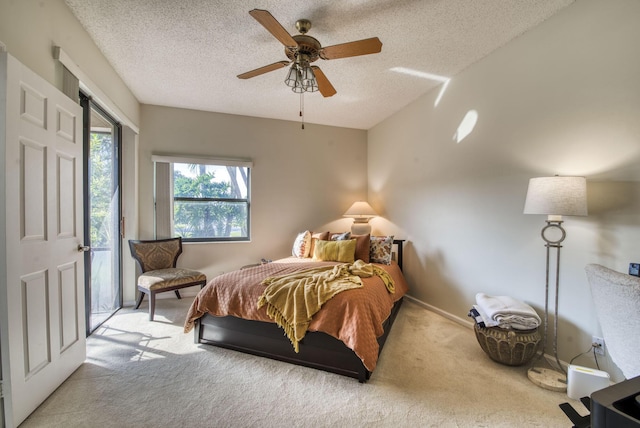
(551, 379)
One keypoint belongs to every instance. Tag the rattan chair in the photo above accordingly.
(157, 261)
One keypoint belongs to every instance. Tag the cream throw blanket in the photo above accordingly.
(293, 299)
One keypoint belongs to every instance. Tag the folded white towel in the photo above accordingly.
(488, 322)
(508, 310)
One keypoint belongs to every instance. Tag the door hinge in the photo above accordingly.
(1, 389)
(122, 228)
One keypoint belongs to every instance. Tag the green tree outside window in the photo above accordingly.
(211, 202)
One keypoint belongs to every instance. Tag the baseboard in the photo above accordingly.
(449, 316)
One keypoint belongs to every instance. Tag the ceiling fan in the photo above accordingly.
(302, 50)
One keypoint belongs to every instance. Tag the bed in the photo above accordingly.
(345, 336)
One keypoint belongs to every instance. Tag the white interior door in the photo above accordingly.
(42, 299)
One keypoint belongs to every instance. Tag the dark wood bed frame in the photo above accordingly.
(317, 350)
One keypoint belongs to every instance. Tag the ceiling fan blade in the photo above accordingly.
(324, 86)
(345, 50)
(262, 70)
(274, 27)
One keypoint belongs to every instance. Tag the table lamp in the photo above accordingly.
(361, 212)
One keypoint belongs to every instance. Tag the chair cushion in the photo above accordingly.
(155, 280)
(154, 255)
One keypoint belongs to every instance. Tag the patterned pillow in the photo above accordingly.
(302, 245)
(340, 236)
(335, 251)
(380, 249)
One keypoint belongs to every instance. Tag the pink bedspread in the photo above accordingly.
(355, 316)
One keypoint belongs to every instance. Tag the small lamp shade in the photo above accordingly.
(309, 79)
(293, 77)
(557, 196)
(361, 212)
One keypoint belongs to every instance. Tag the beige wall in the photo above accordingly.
(31, 28)
(301, 179)
(562, 99)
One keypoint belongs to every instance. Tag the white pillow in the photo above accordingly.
(302, 245)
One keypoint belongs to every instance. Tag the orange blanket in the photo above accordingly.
(354, 316)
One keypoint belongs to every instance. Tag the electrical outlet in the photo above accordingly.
(598, 344)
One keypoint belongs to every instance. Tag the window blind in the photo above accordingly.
(163, 200)
(70, 85)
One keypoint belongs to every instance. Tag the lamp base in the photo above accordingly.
(550, 379)
(360, 228)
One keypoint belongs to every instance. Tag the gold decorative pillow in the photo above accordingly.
(335, 251)
(315, 236)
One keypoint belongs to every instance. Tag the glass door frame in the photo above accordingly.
(87, 105)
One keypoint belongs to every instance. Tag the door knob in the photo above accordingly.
(83, 248)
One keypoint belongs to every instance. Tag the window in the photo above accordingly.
(202, 199)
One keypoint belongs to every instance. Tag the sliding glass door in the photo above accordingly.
(103, 278)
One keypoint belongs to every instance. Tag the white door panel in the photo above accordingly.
(43, 326)
(33, 178)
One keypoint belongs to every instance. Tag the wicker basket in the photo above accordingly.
(510, 347)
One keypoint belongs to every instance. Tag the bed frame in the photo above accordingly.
(317, 350)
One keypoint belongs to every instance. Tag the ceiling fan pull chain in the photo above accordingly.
(302, 108)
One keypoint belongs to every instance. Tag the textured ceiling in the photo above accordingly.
(187, 53)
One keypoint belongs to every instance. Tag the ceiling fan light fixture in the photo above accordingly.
(293, 77)
(298, 86)
(298, 89)
(309, 79)
(301, 77)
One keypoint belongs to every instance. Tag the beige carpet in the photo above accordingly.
(432, 373)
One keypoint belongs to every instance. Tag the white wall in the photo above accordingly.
(562, 99)
(301, 179)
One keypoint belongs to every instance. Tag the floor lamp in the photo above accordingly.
(555, 197)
